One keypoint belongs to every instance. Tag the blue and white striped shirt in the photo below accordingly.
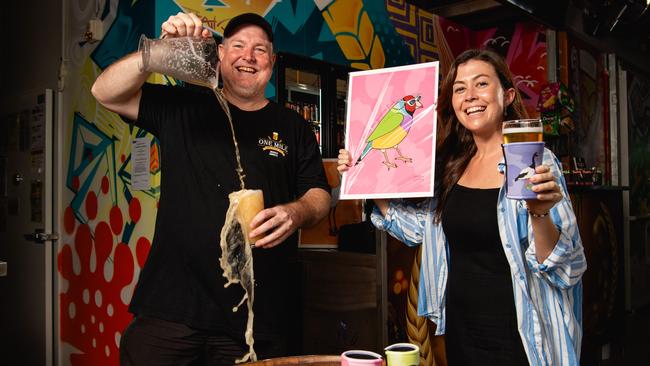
(548, 296)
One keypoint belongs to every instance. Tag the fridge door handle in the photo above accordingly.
(40, 237)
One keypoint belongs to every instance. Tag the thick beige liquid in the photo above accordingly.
(251, 202)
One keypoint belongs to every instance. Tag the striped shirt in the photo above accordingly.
(548, 296)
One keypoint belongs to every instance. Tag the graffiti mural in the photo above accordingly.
(416, 27)
(523, 45)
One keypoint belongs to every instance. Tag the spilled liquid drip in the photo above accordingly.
(236, 254)
(224, 104)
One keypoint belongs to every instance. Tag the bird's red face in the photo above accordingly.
(478, 97)
(411, 103)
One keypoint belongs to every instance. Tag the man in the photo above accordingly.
(183, 313)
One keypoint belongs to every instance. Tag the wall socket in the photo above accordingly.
(3, 269)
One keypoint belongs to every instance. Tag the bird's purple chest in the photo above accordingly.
(407, 122)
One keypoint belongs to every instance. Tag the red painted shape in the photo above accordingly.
(93, 313)
(105, 185)
(91, 205)
(116, 220)
(142, 248)
(134, 209)
(75, 183)
(68, 220)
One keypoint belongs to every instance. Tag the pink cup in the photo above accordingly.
(360, 358)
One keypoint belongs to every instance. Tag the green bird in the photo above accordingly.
(392, 129)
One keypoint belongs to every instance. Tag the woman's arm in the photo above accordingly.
(548, 195)
(563, 256)
(402, 220)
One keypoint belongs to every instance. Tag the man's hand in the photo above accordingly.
(182, 24)
(279, 222)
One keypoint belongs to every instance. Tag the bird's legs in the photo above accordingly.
(387, 161)
(401, 157)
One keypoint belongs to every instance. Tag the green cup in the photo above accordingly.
(402, 354)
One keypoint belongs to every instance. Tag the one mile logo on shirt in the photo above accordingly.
(273, 144)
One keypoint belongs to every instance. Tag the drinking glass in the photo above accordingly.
(191, 59)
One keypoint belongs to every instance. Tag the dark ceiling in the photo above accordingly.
(628, 19)
(480, 14)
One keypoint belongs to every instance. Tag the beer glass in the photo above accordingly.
(523, 151)
(522, 130)
(250, 203)
(191, 59)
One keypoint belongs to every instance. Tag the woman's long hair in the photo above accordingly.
(455, 143)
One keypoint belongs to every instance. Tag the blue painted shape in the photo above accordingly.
(128, 231)
(395, 50)
(78, 163)
(300, 29)
(133, 19)
(214, 3)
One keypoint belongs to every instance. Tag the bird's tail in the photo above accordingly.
(364, 153)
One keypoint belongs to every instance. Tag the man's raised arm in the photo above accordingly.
(119, 87)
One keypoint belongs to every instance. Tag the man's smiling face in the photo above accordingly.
(246, 63)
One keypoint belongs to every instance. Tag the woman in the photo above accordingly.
(500, 278)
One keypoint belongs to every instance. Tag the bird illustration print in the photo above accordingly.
(528, 172)
(391, 130)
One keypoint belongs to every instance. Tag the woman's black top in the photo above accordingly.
(480, 308)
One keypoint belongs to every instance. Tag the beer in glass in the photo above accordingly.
(522, 130)
(523, 151)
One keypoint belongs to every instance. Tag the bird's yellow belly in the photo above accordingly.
(389, 140)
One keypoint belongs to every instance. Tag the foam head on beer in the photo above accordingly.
(522, 130)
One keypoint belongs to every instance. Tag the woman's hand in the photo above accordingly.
(547, 189)
(345, 161)
(184, 24)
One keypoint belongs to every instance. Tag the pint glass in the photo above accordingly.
(250, 203)
(523, 151)
(522, 130)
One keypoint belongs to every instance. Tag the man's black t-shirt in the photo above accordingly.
(182, 280)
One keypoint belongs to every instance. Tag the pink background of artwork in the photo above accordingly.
(371, 95)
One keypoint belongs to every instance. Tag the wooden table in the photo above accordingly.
(314, 360)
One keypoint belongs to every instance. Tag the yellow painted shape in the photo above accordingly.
(216, 17)
(355, 34)
(389, 140)
(366, 33)
(360, 65)
(350, 47)
(342, 16)
(377, 58)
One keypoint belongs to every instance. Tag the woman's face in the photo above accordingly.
(478, 97)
